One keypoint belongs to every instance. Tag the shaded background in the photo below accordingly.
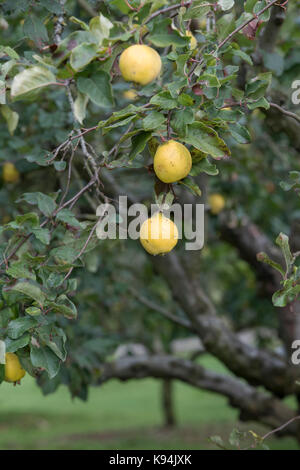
(118, 416)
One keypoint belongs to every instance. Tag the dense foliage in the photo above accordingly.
(77, 138)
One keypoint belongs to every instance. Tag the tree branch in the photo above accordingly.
(242, 26)
(249, 240)
(267, 39)
(161, 310)
(253, 404)
(230, 36)
(59, 24)
(166, 10)
(257, 366)
(285, 111)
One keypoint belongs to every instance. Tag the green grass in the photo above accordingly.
(116, 416)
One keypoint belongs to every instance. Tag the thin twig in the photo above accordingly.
(173, 7)
(75, 198)
(161, 310)
(130, 6)
(285, 111)
(86, 153)
(69, 178)
(83, 248)
(280, 427)
(71, 201)
(242, 26)
(59, 24)
(90, 201)
(236, 30)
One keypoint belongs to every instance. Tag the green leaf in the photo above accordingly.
(160, 35)
(59, 166)
(33, 261)
(235, 438)
(257, 87)
(206, 139)
(285, 296)
(210, 80)
(192, 186)
(63, 306)
(283, 242)
(218, 441)
(13, 345)
(54, 280)
(45, 203)
(33, 311)
(6, 315)
(164, 100)
(204, 166)
(29, 220)
(259, 6)
(68, 253)
(242, 55)
(180, 119)
(185, 100)
(97, 88)
(226, 4)
(80, 105)
(10, 52)
(42, 234)
(121, 5)
(55, 339)
(35, 30)
(82, 55)
(240, 133)
(130, 110)
(122, 122)
(31, 290)
(261, 103)
(138, 144)
(11, 117)
(67, 216)
(153, 120)
(19, 270)
(196, 10)
(46, 359)
(242, 18)
(100, 26)
(176, 86)
(225, 25)
(79, 22)
(28, 82)
(54, 6)
(249, 5)
(16, 328)
(264, 258)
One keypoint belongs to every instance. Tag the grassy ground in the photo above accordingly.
(117, 416)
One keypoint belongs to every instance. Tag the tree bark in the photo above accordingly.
(168, 405)
(250, 240)
(252, 403)
(257, 366)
